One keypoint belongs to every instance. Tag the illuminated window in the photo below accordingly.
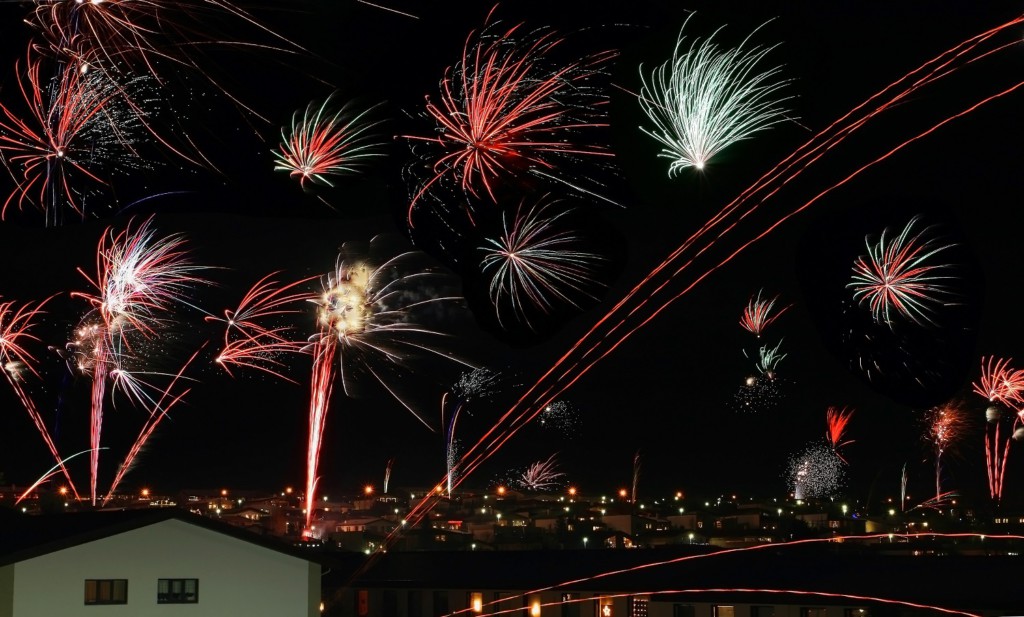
(724, 611)
(106, 591)
(177, 591)
(475, 601)
(813, 611)
(638, 607)
(762, 611)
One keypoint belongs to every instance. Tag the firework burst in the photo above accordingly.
(897, 278)
(945, 425)
(541, 476)
(505, 109)
(1002, 387)
(706, 98)
(325, 142)
(561, 416)
(249, 338)
(768, 359)
(534, 266)
(816, 472)
(760, 314)
(140, 279)
(16, 361)
(837, 419)
(368, 326)
(998, 382)
(79, 124)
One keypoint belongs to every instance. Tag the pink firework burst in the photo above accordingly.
(898, 278)
(505, 109)
(759, 314)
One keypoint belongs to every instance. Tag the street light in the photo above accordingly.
(584, 541)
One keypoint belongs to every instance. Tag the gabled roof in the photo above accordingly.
(24, 536)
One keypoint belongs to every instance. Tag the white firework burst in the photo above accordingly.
(706, 98)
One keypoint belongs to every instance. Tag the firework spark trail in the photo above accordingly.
(450, 443)
(535, 264)
(15, 359)
(320, 388)
(755, 548)
(736, 590)
(327, 142)
(480, 383)
(837, 419)
(636, 477)
(758, 314)
(946, 425)
(139, 279)
(704, 99)
(387, 473)
(896, 277)
(502, 110)
(157, 412)
(561, 379)
(49, 474)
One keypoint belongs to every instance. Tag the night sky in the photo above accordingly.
(669, 392)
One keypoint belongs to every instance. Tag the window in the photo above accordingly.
(724, 611)
(177, 591)
(414, 603)
(570, 605)
(638, 607)
(762, 611)
(682, 610)
(389, 603)
(813, 611)
(106, 591)
(440, 603)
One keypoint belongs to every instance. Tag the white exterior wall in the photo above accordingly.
(235, 577)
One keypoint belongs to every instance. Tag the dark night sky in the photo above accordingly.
(667, 392)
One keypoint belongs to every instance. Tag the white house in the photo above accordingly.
(149, 563)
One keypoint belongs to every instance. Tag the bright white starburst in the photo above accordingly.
(706, 98)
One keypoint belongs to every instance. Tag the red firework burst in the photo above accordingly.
(758, 314)
(504, 109)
